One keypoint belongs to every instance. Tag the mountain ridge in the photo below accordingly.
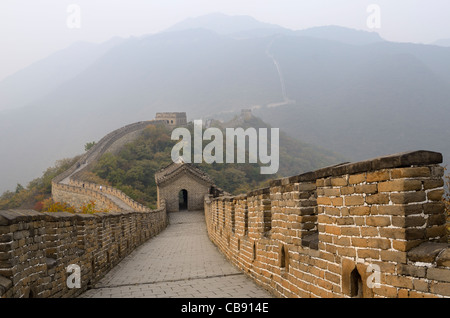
(335, 85)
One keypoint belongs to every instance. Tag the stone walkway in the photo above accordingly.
(181, 262)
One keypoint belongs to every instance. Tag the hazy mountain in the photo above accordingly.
(442, 42)
(44, 76)
(363, 100)
(225, 24)
(341, 34)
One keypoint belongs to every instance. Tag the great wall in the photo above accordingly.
(325, 233)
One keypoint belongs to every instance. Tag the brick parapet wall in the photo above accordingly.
(380, 221)
(36, 248)
(93, 187)
(78, 195)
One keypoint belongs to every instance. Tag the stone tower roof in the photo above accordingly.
(176, 168)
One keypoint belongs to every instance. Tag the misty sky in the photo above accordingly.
(33, 29)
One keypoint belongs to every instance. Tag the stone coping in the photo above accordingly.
(8, 217)
(430, 252)
(399, 160)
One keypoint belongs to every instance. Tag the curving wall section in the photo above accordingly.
(37, 249)
(68, 188)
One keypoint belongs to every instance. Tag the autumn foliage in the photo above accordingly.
(37, 191)
(51, 206)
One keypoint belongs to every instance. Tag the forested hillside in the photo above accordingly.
(132, 169)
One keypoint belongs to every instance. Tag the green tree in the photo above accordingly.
(19, 188)
(89, 145)
(36, 191)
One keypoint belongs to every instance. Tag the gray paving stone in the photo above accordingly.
(181, 262)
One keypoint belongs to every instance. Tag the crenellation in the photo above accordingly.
(319, 234)
(343, 223)
(42, 245)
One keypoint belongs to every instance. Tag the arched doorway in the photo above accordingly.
(183, 200)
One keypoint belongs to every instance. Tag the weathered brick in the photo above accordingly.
(378, 221)
(377, 176)
(332, 211)
(444, 258)
(347, 190)
(346, 251)
(307, 186)
(333, 192)
(389, 210)
(344, 241)
(353, 200)
(412, 270)
(359, 210)
(394, 233)
(437, 172)
(325, 219)
(320, 183)
(339, 201)
(323, 201)
(440, 288)
(331, 229)
(403, 293)
(408, 197)
(405, 246)
(436, 219)
(400, 185)
(333, 277)
(380, 243)
(434, 208)
(350, 231)
(410, 172)
(386, 291)
(435, 195)
(359, 220)
(369, 231)
(339, 181)
(5, 229)
(439, 274)
(368, 253)
(393, 256)
(432, 184)
(379, 198)
(357, 178)
(345, 221)
(408, 221)
(359, 242)
(399, 281)
(366, 188)
(414, 233)
(436, 231)
(420, 285)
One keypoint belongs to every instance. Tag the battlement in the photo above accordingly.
(327, 233)
(324, 233)
(172, 119)
(37, 248)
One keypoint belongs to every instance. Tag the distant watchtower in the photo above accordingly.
(172, 119)
(246, 114)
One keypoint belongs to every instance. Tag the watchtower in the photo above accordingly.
(172, 119)
(183, 186)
